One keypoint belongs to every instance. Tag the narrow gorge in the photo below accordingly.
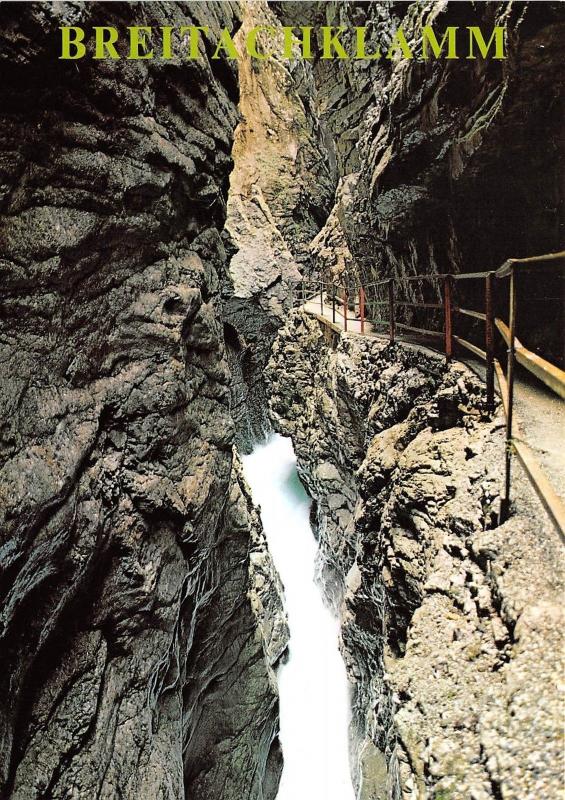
(156, 220)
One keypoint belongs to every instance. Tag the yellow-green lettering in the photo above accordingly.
(167, 46)
(226, 44)
(290, 41)
(105, 40)
(76, 42)
(361, 52)
(429, 40)
(193, 39)
(399, 44)
(251, 41)
(330, 42)
(476, 35)
(139, 38)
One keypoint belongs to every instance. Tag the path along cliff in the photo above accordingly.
(450, 622)
(454, 661)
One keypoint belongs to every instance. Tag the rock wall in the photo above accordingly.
(450, 623)
(443, 166)
(140, 616)
(393, 168)
(447, 165)
(281, 190)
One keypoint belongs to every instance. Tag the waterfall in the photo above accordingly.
(314, 691)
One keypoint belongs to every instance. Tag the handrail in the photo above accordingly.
(502, 385)
(410, 278)
(551, 375)
(465, 276)
(505, 270)
(467, 312)
(547, 372)
(471, 347)
(544, 490)
(420, 305)
(425, 331)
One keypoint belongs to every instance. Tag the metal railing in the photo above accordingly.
(385, 302)
(345, 300)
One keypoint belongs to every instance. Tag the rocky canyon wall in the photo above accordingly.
(446, 165)
(450, 622)
(140, 617)
(392, 168)
(281, 190)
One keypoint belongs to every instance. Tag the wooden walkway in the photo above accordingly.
(325, 310)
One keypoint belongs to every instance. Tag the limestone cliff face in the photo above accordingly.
(446, 165)
(443, 166)
(136, 638)
(281, 189)
(449, 622)
(463, 153)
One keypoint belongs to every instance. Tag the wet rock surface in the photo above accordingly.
(447, 166)
(281, 190)
(450, 623)
(135, 657)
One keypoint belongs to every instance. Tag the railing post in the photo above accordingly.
(321, 298)
(448, 314)
(391, 311)
(489, 340)
(333, 302)
(505, 500)
(345, 305)
(362, 308)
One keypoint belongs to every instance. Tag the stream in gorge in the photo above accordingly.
(314, 692)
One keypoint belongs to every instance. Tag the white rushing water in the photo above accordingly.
(314, 694)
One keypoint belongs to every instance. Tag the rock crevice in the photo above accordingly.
(404, 466)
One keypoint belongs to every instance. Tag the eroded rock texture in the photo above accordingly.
(281, 190)
(450, 623)
(447, 165)
(134, 663)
